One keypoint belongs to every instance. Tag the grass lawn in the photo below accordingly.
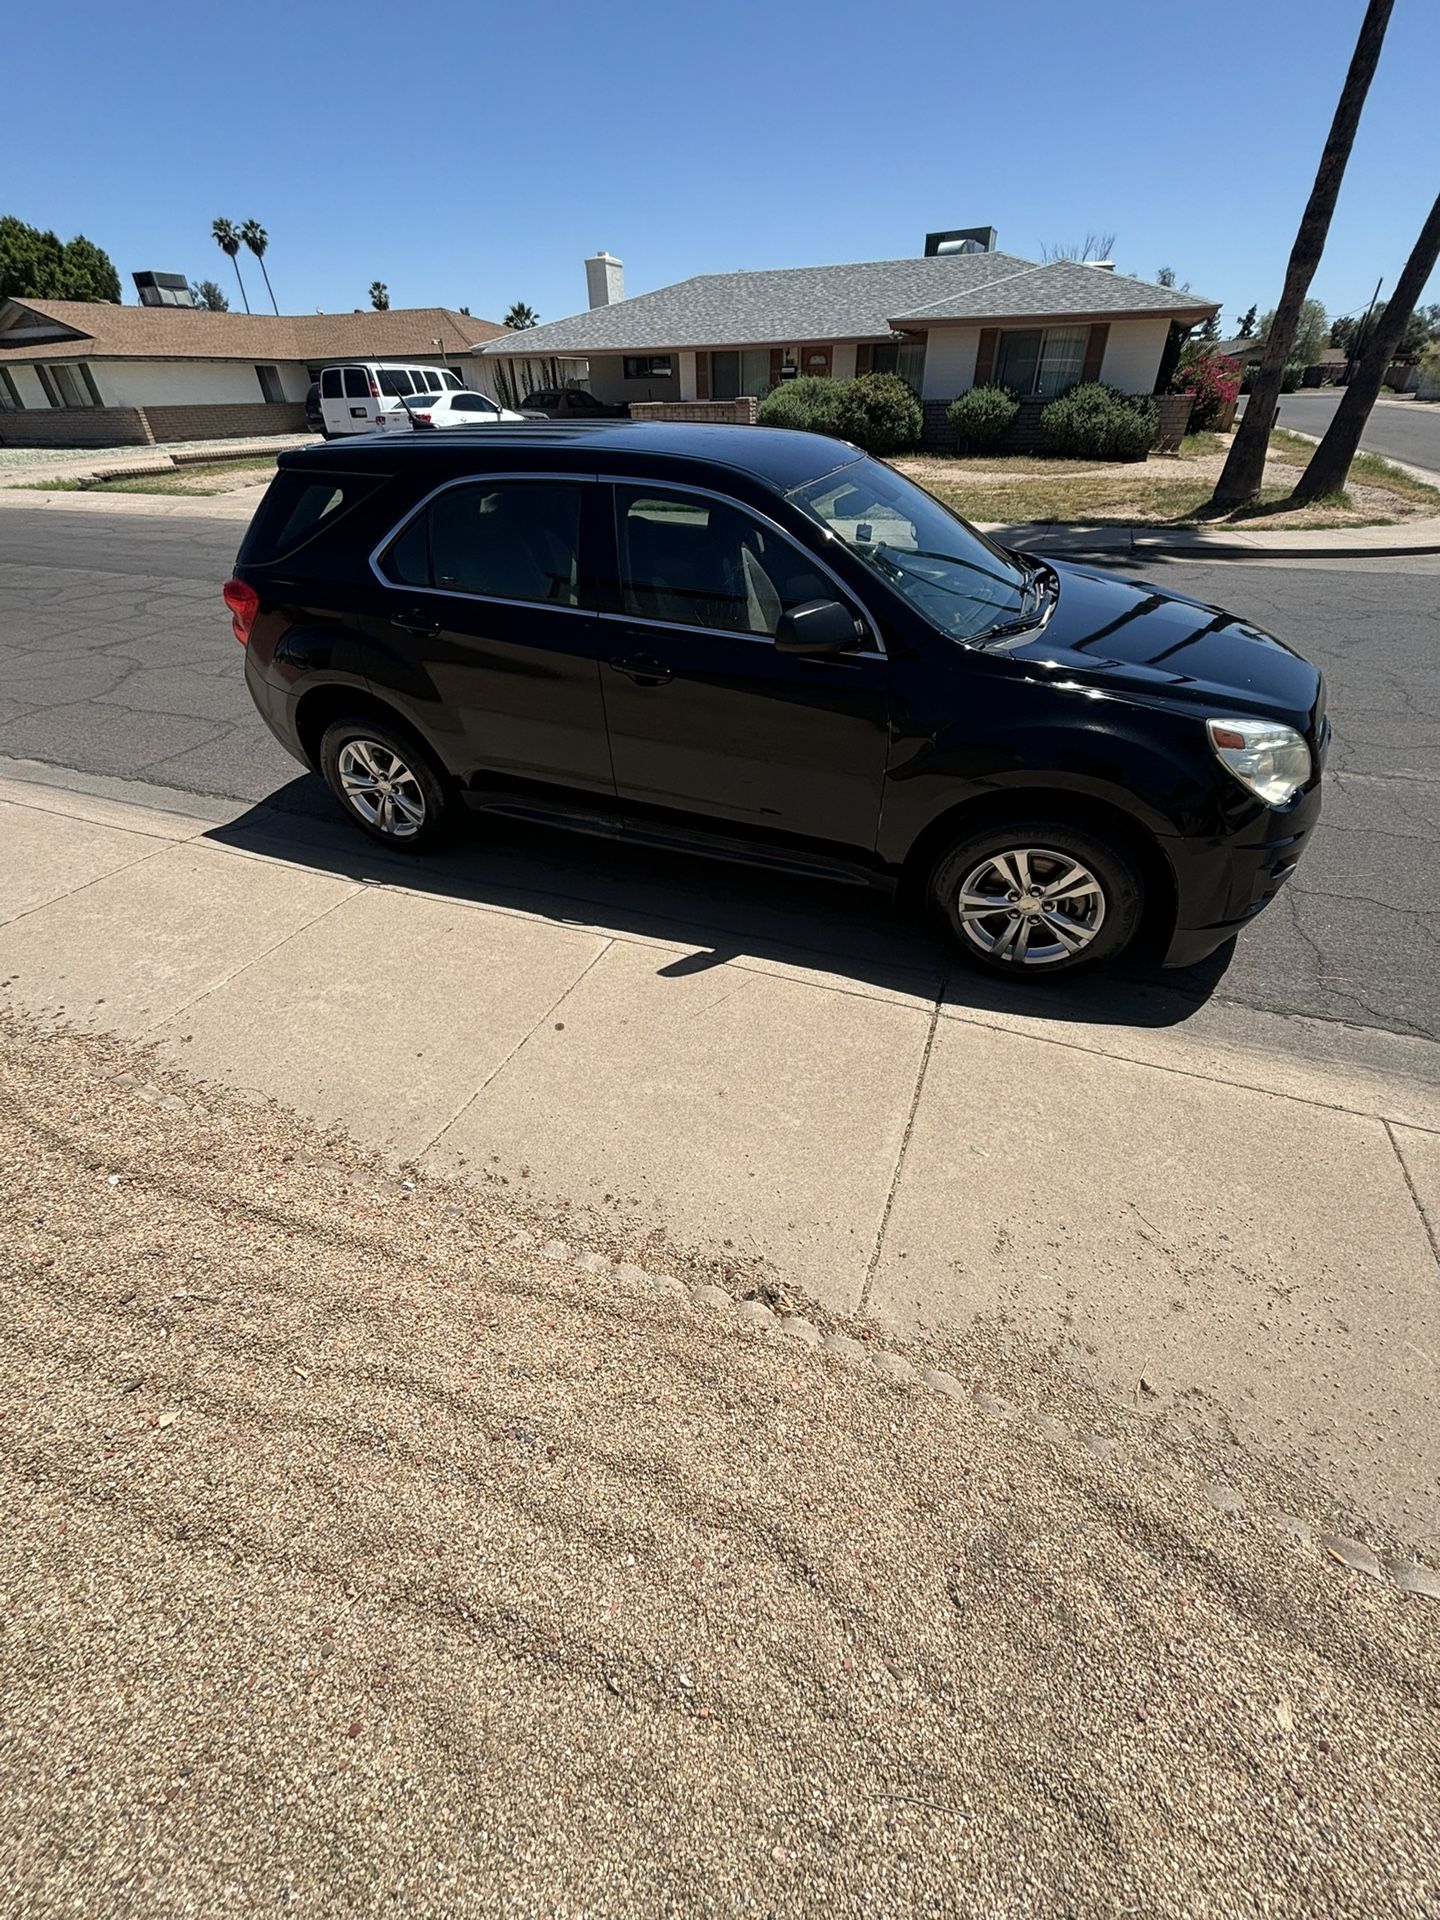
(1167, 489)
(204, 477)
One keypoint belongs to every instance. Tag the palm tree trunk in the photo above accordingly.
(268, 288)
(235, 262)
(1330, 462)
(1239, 483)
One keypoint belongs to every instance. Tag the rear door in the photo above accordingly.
(346, 403)
(489, 637)
(706, 716)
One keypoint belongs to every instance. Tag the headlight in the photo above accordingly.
(1273, 761)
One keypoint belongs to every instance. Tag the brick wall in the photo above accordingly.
(226, 422)
(75, 427)
(143, 426)
(1024, 437)
(740, 412)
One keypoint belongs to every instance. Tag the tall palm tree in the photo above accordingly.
(1330, 461)
(379, 296)
(228, 241)
(257, 240)
(1244, 469)
(520, 316)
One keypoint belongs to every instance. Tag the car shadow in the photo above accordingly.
(719, 910)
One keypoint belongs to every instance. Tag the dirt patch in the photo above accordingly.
(358, 1556)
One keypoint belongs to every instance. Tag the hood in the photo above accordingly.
(1134, 635)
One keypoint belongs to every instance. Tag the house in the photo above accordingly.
(92, 373)
(944, 321)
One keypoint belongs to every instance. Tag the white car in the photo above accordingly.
(422, 411)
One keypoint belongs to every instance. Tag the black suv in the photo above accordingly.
(765, 645)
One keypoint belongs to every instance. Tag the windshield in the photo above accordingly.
(951, 574)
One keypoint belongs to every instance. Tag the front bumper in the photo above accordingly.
(1223, 883)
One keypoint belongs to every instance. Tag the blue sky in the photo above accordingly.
(473, 155)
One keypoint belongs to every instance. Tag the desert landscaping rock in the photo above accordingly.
(1223, 1499)
(939, 1381)
(1100, 1447)
(993, 1405)
(798, 1328)
(358, 1560)
(892, 1366)
(1353, 1554)
(845, 1346)
(707, 1295)
(1048, 1427)
(754, 1313)
(1296, 1528)
(1411, 1578)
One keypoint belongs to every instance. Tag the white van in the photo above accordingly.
(353, 397)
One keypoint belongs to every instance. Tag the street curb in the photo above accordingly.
(1053, 540)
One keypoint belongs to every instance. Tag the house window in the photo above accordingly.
(10, 401)
(905, 357)
(64, 387)
(1042, 361)
(647, 366)
(274, 392)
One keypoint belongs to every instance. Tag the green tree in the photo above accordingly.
(228, 240)
(379, 296)
(1210, 330)
(1312, 330)
(257, 240)
(520, 316)
(1344, 331)
(38, 265)
(209, 296)
(1246, 329)
(1240, 478)
(1330, 462)
(1165, 276)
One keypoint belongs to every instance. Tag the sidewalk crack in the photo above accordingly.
(1425, 1220)
(874, 1262)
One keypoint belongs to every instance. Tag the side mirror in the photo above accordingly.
(818, 628)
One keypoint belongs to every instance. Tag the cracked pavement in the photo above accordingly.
(116, 659)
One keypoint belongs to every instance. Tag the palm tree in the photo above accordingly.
(257, 240)
(1244, 469)
(520, 316)
(379, 296)
(1330, 462)
(228, 241)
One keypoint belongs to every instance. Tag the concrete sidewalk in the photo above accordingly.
(1228, 1217)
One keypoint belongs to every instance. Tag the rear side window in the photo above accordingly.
(357, 384)
(395, 382)
(508, 540)
(432, 381)
(296, 508)
(330, 384)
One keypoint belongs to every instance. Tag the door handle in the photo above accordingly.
(415, 624)
(644, 670)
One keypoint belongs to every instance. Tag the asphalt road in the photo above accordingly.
(116, 658)
(1407, 430)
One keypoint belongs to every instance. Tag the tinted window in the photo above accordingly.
(472, 403)
(432, 380)
(515, 540)
(580, 401)
(703, 563)
(294, 509)
(395, 381)
(357, 384)
(330, 386)
(540, 400)
(450, 380)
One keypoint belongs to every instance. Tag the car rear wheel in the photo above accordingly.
(1036, 898)
(388, 783)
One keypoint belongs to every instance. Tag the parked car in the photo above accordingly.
(763, 645)
(571, 403)
(429, 411)
(353, 397)
(314, 419)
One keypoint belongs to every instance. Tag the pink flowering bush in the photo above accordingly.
(1212, 381)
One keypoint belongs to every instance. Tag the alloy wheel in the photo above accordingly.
(1030, 907)
(380, 787)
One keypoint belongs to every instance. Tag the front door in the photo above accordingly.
(706, 716)
(488, 640)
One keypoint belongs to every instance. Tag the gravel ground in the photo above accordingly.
(358, 1559)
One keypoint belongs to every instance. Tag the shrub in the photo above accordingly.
(981, 418)
(809, 403)
(1211, 380)
(879, 413)
(1291, 378)
(1092, 422)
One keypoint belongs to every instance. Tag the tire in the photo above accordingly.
(1022, 937)
(359, 758)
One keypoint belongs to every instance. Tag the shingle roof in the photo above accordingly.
(857, 302)
(108, 332)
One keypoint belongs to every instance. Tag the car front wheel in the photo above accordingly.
(1037, 898)
(387, 783)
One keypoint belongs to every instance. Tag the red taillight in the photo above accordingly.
(423, 416)
(374, 388)
(244, 603)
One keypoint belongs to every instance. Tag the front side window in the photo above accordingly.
(451, 381)
(698, 562)
(507, 540)
(949, 573)
(472, 403)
